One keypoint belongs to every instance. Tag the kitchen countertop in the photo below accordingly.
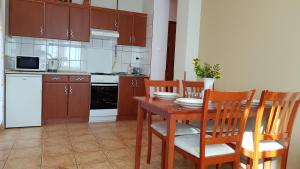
(42, 73)
(133, 75)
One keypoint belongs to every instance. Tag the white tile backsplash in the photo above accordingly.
(74, 55)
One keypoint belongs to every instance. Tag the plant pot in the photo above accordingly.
(208, 83)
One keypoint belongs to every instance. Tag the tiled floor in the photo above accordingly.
(78, 146)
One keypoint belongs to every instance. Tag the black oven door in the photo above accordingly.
(104, 96)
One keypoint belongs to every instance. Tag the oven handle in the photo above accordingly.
(108, 85)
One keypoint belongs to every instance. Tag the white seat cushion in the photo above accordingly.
(263, 145)
(181, 128)
(191, 144)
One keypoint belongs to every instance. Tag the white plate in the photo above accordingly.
(165, 95)
(190, 101)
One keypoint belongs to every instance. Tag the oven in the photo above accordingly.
(104, 96)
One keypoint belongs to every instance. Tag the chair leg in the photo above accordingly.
(237, 164)
(163, 153)
(249, 161)
(255, 163)
(267, 163)
(284, 159)
(149, 138)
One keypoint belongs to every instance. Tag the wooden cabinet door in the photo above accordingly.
(139, 89)
(125, 26)
(27, 18)
(106, 19)
(79, 23)
(139, 30)
(57, 21)
(79, 101)
(126, 109)
(55, 102)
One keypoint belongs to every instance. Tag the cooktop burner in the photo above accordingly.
(115, 73)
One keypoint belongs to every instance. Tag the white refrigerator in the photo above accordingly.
(23, 100)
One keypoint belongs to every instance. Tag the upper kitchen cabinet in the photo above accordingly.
(125, 27)
(132, 28)
(139, 30)
(57, 21)
(79, 23)
(27, 18)
(102, 18)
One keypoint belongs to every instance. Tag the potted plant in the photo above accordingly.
(208, 72)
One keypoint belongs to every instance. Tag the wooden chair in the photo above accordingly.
(193, 86)
(204, 149)
(160, 128)
(273, 128)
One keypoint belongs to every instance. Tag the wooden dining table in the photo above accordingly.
(172, 112)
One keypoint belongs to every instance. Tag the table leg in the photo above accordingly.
(139, 134)
(170, 143)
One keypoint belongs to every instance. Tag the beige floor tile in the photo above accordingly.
(58, 140)
(112, 144)
(104, 165)
(90, 157)
(58, 161)
(31, 152)
(26, 143)
(6, 145)
(85, 146)
(56, 150)
(83, 138)
(4, 154)
(118, 154)
(22, 163)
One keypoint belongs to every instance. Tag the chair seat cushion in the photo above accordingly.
(181, 128)
(263, 145)
(191, 144)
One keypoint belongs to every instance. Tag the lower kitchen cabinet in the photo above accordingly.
(65, 99)
(79, 101)
(55, 101)
(129, 87)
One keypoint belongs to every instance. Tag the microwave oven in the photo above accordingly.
(31, 63)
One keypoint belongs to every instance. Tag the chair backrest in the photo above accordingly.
(229, 112)
(275, 116)
(192, 86)
(161, 86)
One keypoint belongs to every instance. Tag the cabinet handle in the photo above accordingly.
(72, 33)
(70, 90)
(79, 79)
(42, 30)
(66, 90)
(55, 78)
(116, 24)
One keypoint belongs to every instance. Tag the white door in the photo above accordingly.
(23, 100)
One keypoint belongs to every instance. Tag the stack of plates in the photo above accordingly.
(189, 102)
(165, 95)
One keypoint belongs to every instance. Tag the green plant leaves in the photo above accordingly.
(208, 71)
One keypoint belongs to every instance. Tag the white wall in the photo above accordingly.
(127, 5)
(2, 36)
(187, 38)
(173, 10)
(257, 44)
(160, 39)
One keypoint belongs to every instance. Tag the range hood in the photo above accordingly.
(104, 34)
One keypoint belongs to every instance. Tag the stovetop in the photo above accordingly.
(112, 74)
